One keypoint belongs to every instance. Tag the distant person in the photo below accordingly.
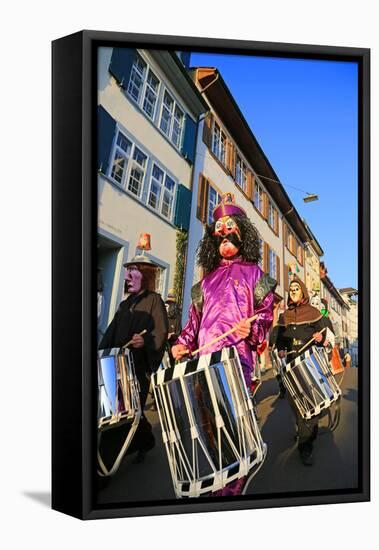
(347, 360)
(174, 315)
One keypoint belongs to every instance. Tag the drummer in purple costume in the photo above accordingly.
(233, 289)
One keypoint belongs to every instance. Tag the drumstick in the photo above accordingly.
(222, 336)
(307, 344)
(130, 341)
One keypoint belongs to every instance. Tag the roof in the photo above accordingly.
(219, 96)
(178, 75)
(313, 241)
(350, 291)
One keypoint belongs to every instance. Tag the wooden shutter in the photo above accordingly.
(231, 158)
(202, 199)
(265, 206)
(252, 186)
(278, 269)
(249, 190)
(266, 258)
(207, 130)
(276, 220)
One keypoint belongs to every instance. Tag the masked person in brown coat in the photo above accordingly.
(296, 326)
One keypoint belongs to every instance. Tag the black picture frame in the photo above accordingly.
(74, 207)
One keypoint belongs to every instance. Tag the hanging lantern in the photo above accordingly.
(144, 242)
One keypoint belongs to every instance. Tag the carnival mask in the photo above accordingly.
(228, 236)
(133, 279)
(296, 294)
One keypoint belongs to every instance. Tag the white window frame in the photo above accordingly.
(161, 277)
(159, 208)
(124, 184)
(219, 151)
(209, 208)
(272, 263)
(241, 173)
(118, 149)
(258, 192)
(145, 86)
(176, 105)
(271, 214)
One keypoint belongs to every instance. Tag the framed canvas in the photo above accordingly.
(210, 244)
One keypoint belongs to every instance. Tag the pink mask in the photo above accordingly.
(133, 278)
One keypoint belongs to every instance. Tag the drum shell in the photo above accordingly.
(208, 424)
(118, 391)
(310, 383)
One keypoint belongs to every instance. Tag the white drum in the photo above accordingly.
(208, 425)
(310, 382)
(118, 399)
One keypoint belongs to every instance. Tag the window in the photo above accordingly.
(272, 264)
(258, 198)
(213, 200)
(160, 279)
(219, 143)
(151, 94)
(241, 174)
(137, 172)
(120, 158)
(143, 86)
(272, 217)
(299, 252)
(161, 194)
(172, 119)
(136, 80)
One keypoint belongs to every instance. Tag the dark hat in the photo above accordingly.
(140, 259)
(227, 207)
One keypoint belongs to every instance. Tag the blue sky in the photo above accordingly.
(304, 113)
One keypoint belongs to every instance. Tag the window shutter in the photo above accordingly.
(231, 158)
(121, 65)
(278, 270)
(202, 199)
(276, 217)
(106, 127)
(266, 258)
(207, 130)
(250, 182)
(189, 140)
(265, 206)
(183, 208)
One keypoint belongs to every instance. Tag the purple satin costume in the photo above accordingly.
(228, 297)
(228, 293)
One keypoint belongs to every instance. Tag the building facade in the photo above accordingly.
(148, 109)
(229, 159)
(350, 296)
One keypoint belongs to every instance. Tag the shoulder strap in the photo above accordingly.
(264, 285)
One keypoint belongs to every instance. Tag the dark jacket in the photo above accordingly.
(136, 313)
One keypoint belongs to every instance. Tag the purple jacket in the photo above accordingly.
(234, 291)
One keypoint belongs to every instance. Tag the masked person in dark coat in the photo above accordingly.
(296, 326)
(142, 310)
(174, 322)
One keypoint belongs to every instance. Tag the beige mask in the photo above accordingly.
(296, 294)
